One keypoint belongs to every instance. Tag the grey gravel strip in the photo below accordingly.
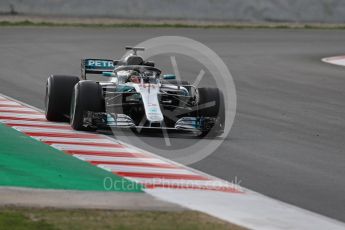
(71, 199)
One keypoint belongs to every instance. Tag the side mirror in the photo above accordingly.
(169, 77)
(108, 74)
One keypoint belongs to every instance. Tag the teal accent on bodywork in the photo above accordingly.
(99, 64)
(169, 77)
(108, 74)
(125, 88)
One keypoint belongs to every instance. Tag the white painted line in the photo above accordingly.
(119, 159)
(9, 103)
(337, 60)
(74, 139)
(251, 210)
(12, 100)
(18, 115)
(43, 130)
(15, 109)
(71, 147)
(191, 183)
(26, 122)
(139, 169)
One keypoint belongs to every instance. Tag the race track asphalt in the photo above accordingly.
(288, 138)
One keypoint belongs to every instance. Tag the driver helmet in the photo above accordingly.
(134, 77)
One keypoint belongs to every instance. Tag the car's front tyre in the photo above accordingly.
(211, 104)
(87, 96)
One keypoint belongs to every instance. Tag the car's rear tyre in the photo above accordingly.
(87, 96)
(59, 90)
(211, 104)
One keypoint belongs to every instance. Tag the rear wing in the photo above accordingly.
(96, 66)
(135, 49)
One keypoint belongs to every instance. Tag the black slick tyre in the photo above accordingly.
(211, 104)
(58, 95)
(87, 96)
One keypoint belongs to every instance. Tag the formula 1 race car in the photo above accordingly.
(133, 95)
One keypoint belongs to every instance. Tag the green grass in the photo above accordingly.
(172, 25)
(18, 221)
(34, 218)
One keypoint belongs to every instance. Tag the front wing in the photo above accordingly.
(102, 120)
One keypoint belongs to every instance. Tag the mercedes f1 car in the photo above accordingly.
(133, 95)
